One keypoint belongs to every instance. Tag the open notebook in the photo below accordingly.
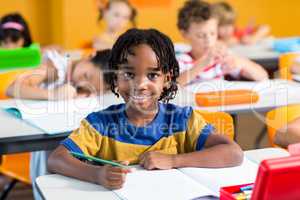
(185, 183)
(57, 116)
(175, 184)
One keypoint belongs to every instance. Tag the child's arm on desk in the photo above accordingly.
(289, 134)
(62, 162)
(219, 151)
(250, 69)
(28, 85)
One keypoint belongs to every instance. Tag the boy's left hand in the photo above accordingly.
(156, 160)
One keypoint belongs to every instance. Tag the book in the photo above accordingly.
(175, 184)
(54, 117)
(192, 183)
(183, 183)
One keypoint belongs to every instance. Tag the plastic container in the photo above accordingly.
(227, 97)
(19, 58)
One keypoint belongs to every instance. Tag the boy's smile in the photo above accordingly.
(140, 81)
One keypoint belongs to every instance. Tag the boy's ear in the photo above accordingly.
(167, 80)
(183, 33)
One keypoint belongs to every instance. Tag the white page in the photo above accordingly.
(258, 155)
(60, 116)
(214, 179)
(160, 184)
(56, 186)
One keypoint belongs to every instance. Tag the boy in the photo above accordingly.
(208, 59)
(229, 34)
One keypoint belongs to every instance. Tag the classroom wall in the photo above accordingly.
(73, 22)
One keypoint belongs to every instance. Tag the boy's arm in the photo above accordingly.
(288, 134)
(261, 32)
(61, 162)
(191, 74)
(250, 70)
(219, 152)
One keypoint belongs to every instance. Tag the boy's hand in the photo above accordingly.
(66, 91)
(112, 177)
(156, 160)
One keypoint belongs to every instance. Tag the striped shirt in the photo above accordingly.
(109, 135)
(210, 72)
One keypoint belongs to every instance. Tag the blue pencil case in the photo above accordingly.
(287, 45)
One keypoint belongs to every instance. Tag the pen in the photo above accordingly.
(98, 160)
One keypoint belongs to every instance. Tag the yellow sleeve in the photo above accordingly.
(85, 140)
(197, 132)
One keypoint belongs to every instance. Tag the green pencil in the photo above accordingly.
(98, 160)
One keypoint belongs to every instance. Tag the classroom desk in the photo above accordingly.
(261, 54)
(60, 187)
(272, 93)
(18, 136)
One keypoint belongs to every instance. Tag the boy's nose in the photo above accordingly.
(141, 82)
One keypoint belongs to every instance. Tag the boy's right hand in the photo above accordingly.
(66, 91)
(111, 177)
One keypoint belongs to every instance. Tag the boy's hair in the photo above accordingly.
(14, 27)
(225, 13)
(159, 43)
(193, 11)
(110, 2)
(101, 59)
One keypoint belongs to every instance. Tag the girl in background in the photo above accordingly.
(14, 32)
(56, 80)
(117, 14)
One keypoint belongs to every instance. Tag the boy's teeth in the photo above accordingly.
(141, 97)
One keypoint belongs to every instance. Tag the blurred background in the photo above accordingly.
(72, 23)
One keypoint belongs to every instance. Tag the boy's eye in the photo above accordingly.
(152, 76)
(128, 75)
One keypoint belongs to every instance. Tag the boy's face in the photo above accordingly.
(88, 77)
(140, 81)
(202, 36)
(117, 16)
(226, 31)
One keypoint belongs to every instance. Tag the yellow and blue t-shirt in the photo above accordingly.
(108, 134)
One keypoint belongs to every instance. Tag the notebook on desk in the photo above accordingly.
(56, 116)
(175, 184)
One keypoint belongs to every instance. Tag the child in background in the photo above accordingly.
(143, 130)
(208, 59)
(55, 79)
(14, 32)
(52, 81)
(117, 14)
(229, 34)
(289, 134)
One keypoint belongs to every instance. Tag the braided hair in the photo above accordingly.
(162, 47)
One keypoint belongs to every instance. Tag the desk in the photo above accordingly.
(61, 187)
(272, 94)
(18, 136)
(260, 53)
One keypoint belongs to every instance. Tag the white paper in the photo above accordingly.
(214, 179)
(160, 184)
(60, 116)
